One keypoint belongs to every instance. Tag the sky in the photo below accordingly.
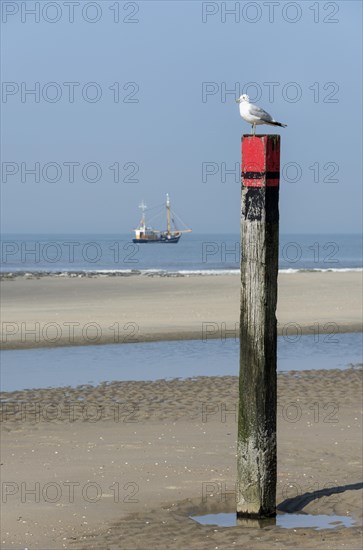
(132, 100)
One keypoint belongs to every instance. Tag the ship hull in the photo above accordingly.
(165, 240)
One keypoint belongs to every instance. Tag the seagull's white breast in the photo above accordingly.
(244, 110)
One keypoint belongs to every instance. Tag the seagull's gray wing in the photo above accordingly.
(260, 113)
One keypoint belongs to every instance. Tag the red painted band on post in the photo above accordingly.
(261, 161)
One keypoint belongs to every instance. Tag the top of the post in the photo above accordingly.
(261, 160)
(261, 136)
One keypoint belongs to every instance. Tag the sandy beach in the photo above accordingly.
(58, 311)
(123, 465)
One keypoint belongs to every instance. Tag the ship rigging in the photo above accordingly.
(144, 233)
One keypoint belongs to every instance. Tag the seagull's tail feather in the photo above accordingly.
(274, 123)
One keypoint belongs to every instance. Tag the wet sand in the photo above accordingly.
(149, 454)
(58, 311)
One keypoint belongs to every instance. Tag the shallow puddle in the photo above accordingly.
(285, 521)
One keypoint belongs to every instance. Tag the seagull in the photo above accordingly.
(255, 115)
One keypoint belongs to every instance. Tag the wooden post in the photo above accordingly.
(256, 446)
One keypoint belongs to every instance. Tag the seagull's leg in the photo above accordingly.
(254, 129)
(251, 129)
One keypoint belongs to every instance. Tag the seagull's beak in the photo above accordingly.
(238, 100)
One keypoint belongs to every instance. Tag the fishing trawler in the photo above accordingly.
(146, 234)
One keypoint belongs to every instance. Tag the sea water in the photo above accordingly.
(199, 254)
(73, 366)
(204, 254)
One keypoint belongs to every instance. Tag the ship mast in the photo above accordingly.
(168, 213)
(143, 207)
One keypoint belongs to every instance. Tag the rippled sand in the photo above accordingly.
(152, 453)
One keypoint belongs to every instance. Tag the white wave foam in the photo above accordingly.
(163, 272)
(322, 270)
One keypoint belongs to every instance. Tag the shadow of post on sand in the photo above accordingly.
(295, 504)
